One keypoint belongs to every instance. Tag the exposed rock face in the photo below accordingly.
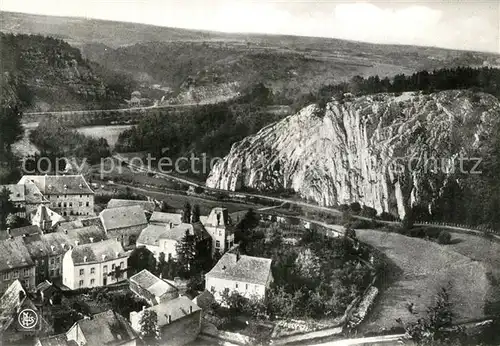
(384, 151)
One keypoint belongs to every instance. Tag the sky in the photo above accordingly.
(457, 24)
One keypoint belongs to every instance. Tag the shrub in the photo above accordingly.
(385, 216)
(444, 238)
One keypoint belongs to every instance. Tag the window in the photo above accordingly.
(51, 272)
(70, 204)
(113, 266)
(57, 272)
(121, 265)
(87, 204)
(81, 271)
(220, 233)
(217, 244)
(52, 260)
(6, 276)
(26, 272)
(212, 289)
(16, 274)
(80, 196)
(59, 204)
(236, 285)
(80, 204)
(80, 283)
(92, 270)
(105, 269)
(92, 281)
(246, 286)
(64, 204)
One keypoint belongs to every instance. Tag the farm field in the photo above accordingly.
(109, 132)
(419, 268)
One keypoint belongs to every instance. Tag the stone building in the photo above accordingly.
(249, 276)
(153, 289)
(16, 264)
(95, 264)
(66, 194)
(124, 223)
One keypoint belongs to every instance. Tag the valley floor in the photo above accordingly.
(419, 268)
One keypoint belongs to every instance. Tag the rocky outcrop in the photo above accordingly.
(384, 151)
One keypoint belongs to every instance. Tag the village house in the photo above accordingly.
(13, 301)
(219, 226)
(24, 231)
(179, 321)
(249, 276)
(124, 223)
(95, 264)
(107, 328)
(47, 251)
(16, 264)
(151, 288)
(161, 238)
(66, 194)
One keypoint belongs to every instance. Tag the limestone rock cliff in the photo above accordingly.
(385, 151)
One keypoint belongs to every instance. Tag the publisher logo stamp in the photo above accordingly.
(27, 319)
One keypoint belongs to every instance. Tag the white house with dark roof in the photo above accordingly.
(249, 276)
(221, 229)
(159, 238)
(179, 321)
(66, 194)
(124, 223)
(153, 289)
(94, 264)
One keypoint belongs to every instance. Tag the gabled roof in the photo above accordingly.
(59, 184)
(175, 308)
(94, 252)
(148, 206)
(166, 218)
(32, 193)
(16, 192)
(218, 217)
(49, 244)
(14, 254)
(9, 303)
(54, 340)
(152, 284)
(85, 235)
(178, 232)
(255, 270)
(43, 213)
(26, 230)
(107, 328)
(151, 234)
(123, 217)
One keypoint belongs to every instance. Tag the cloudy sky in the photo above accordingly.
(461, 24)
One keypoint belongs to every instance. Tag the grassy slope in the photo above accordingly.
(420, 268)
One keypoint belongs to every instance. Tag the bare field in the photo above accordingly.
(420, 268)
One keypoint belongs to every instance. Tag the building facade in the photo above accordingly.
(124, 223)
(221, 229)
(67, 195)
(249, 276)
(95, 264)
(16, 264)
(151, 288)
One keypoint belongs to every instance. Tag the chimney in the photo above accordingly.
(52, 247)
(91, 239)
(171, 225)
(143, 307)
(190, 309)
(117, 254)
(237, 256)
(103, 257)
(65, 231)
(169, 319)
(77, 242)
(85, 258)
(8, 230)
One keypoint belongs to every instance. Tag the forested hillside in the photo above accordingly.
(56, 75)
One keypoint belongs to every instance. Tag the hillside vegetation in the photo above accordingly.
(57, 76)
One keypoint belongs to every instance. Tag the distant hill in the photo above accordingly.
(53, 75)
(188, 61)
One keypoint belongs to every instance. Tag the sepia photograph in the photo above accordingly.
(249, 172)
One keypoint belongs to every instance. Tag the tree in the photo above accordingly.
(6, 206)
(13, 221)
(195, 217)
(436, 328)
(186, 213)
(149, 327)
(161, 264)
(141, 258)
(186, 251)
